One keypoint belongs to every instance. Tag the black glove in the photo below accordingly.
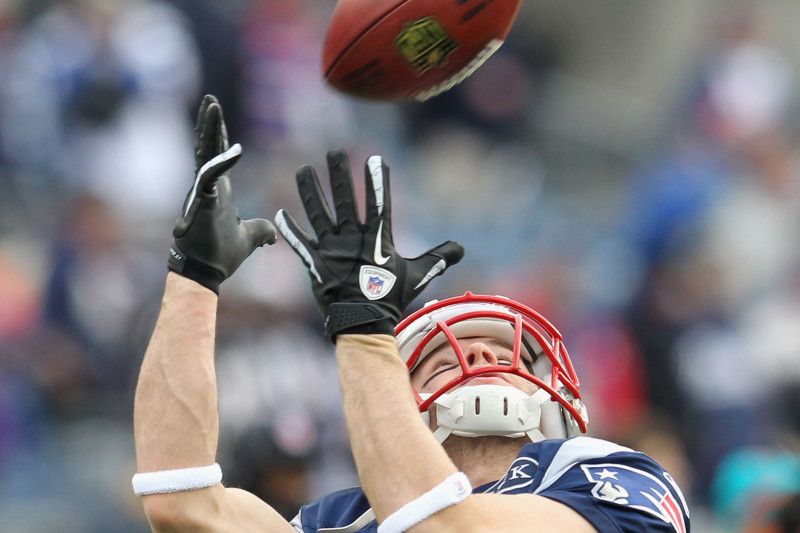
(210, 241)
(362, 285)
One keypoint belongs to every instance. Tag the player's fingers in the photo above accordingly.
(376, 173)
(298, 239)
(201, 113)
(209, 174)
(344, 197)
(205, 146)
(291, 230)
(223, 189)
(260, 231)
(217, 166)
(220, 129)
(314, 200)
(435, 261)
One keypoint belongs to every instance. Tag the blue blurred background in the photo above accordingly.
(630, 169)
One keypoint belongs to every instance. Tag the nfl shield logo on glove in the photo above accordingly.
(374, 285)
(375, 282)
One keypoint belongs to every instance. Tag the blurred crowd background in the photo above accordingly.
(629, 169)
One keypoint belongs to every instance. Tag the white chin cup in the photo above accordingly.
(484, 410)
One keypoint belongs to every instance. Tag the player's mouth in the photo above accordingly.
(489, 378)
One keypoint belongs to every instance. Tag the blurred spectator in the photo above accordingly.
(94, 294)
(19, 312)
(279, 473)
(64, 382)
(95, 98)
(280, 408)
(216, 30)
(753, 487)
(290, 109)
(746, 86)
(710, 221)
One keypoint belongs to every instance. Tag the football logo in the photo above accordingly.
(375, 282)
(424, 44)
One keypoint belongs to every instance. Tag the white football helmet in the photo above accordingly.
(554, 411)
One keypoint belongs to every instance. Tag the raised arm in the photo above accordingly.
(362, 286)
(176, 424)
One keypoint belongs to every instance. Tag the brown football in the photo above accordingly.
(404, 49)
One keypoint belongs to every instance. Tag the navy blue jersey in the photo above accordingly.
(615, 488)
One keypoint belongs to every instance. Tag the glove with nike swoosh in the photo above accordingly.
(210, 241)
(362, 285)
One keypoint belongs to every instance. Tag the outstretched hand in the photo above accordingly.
(210, 241)
(361, 283)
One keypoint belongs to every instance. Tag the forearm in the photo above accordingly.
(175, 409)
(397, 457)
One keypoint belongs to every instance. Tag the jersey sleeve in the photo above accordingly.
(620, 491)
(344, 511)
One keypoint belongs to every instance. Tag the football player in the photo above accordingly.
(465, 416)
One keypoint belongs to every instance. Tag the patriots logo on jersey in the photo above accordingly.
(631, 487)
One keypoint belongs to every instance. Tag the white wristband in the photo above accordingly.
(164, 481)
(454, 489)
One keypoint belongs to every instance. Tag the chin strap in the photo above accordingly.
(483, 410)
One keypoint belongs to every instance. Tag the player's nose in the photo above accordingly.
(480, 354)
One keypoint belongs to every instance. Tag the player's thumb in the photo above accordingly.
(450, 251)
(260, 231)
(435, 261)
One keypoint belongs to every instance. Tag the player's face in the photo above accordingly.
(441, 366)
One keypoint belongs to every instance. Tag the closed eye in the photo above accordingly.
(505, 360)
(443, 367)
